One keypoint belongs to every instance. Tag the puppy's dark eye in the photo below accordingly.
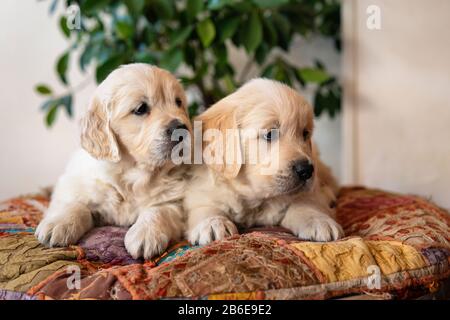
(305, 134)
(271, 135)
(143, 109)
(178, 102)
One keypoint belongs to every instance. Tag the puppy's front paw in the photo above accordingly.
(213, 228)
(61, 231)
(145, 240)
(317, 227)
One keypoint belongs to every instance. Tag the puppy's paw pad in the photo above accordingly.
(321, 228)
(211, 229)
(145, 241)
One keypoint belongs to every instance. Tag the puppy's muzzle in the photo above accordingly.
(175, 125)
(303, 169)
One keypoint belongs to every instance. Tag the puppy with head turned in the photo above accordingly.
(123, 175)
(299, 192)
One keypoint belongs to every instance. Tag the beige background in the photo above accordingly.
(397, 104)
(33, 156)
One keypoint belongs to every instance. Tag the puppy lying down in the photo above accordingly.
(124, 174)
(286, 185)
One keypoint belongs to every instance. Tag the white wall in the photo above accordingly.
(397, 106)
(34, 156)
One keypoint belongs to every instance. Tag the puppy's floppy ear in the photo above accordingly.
(97, 137)
(222, 117)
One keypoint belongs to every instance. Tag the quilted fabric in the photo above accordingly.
(403, 238)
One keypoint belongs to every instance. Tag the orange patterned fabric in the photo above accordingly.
(396, 246)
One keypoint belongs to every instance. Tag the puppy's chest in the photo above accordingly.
(121, 204)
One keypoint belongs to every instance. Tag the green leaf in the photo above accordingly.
(269, 3)
(243, 6)
(193, 109)
(97, 36)
(63, 26)
(107, 67)
(171, 60)
(53, 6)
(124, 29)
(87, 55)
(297, 76)
(228, 27)
(190, 55)
(327, 99)
(104, 53)
(145, 57)
(268, 71)
(43, 89)
(218, 4)
(92, 6)
(283, 26)
(66, 101)
(206, 31)
(148, 35)
(47, 105)
(252, 32)
(193, 8)
(61, 67)
(319, 103)
(319, 64)
(220, 70)
(201, 71)
(313, 75)
(135, 7)
(221, 53)
(51, 115)
(180, 36)
(261, 53)
(270, 34)
(51, 106)
(282, 75)
(164, 9)
(229, 83)
(279, 70)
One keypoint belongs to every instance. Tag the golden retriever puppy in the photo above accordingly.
(286, 185)
(124, 175)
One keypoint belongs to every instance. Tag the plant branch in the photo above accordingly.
(245, 70)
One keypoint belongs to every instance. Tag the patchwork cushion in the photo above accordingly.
(397, 246)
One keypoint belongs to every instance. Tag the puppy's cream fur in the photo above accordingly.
(222, 195)
(123, 175)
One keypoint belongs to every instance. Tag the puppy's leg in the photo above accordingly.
(64, 224)
(328, 186)
(308, 222)
(206, 224)
(153, 230)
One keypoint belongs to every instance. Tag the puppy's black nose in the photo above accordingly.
(304, 169)
(175, 125)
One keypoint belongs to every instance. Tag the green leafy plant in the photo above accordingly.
(192, 38)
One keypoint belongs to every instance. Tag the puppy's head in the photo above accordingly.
(275, 124)
(134, 113)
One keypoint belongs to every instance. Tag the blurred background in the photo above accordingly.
(377, 73)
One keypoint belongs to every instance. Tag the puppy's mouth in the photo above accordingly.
(288, 185)
(172, 150)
